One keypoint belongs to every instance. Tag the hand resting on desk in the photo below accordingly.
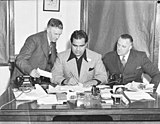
(137, 86)
(90, 83)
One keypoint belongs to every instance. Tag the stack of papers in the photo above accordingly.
(105, 93)
(48, 99)
(34, 94)
(59, 89)
(139, 95)
(135, 86)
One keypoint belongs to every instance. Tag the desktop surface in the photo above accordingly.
(30, 110)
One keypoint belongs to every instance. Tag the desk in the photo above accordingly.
(31, 111)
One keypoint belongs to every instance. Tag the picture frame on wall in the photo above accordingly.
(51, 5)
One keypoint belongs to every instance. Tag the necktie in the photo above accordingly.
(123, 61)
(52, 56)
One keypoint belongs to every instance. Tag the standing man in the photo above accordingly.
(79, 64)
(38, 51)
(130, 63)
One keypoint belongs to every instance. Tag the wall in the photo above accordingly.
(4, 76)
(158, 29)
(30, 18)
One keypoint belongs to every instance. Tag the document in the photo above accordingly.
(32, 94)
(44, 73)
(48, 99)
(139, 95)
(59, 89)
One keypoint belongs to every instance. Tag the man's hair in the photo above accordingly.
(127, 36)
(79, 34)
(55, 23)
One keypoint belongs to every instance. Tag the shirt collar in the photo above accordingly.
(72, 55)
(126, 56)
(49, 41)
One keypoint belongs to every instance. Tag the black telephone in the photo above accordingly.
(114, 79)
(26, 81)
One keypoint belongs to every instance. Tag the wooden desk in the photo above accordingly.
(31, 111)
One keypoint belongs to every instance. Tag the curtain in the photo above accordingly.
(4, 55)
(7, 54)
(107, 20)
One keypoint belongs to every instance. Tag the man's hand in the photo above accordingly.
(34, 73)
(141, 86)
(90, 83)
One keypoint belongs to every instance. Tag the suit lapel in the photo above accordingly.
(129, 61)
(45, 45)
(119, 64)
(84, 68)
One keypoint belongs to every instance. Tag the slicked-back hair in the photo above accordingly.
(55, 23)
(127, 36)
(79, 34)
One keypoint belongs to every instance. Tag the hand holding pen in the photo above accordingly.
(72, 80)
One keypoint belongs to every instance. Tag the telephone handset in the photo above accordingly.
(26, 81)
(115, 79)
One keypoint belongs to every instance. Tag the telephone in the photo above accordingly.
(26, 81)
(114, 79)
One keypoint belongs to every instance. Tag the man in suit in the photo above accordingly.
(79, 64)
(130, 63)
(38, 51)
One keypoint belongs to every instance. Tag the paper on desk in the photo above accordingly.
(34, 94)
(48, 99)
(139, 95)
(44, 73)
(59, 89)
(103, 86)
(134, 86)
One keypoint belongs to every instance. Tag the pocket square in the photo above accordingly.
(139, 67)
(90, 69)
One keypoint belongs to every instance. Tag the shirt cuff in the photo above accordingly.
(62, 83)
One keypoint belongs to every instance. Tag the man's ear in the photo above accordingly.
(131, 46)
(87, 44)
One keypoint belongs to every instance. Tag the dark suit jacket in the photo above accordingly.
(34, 54)
(137, 64)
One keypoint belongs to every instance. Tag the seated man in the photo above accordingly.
(79, 64)
(130, 63)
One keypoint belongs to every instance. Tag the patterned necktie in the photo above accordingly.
(52, 56)
(123, 61)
